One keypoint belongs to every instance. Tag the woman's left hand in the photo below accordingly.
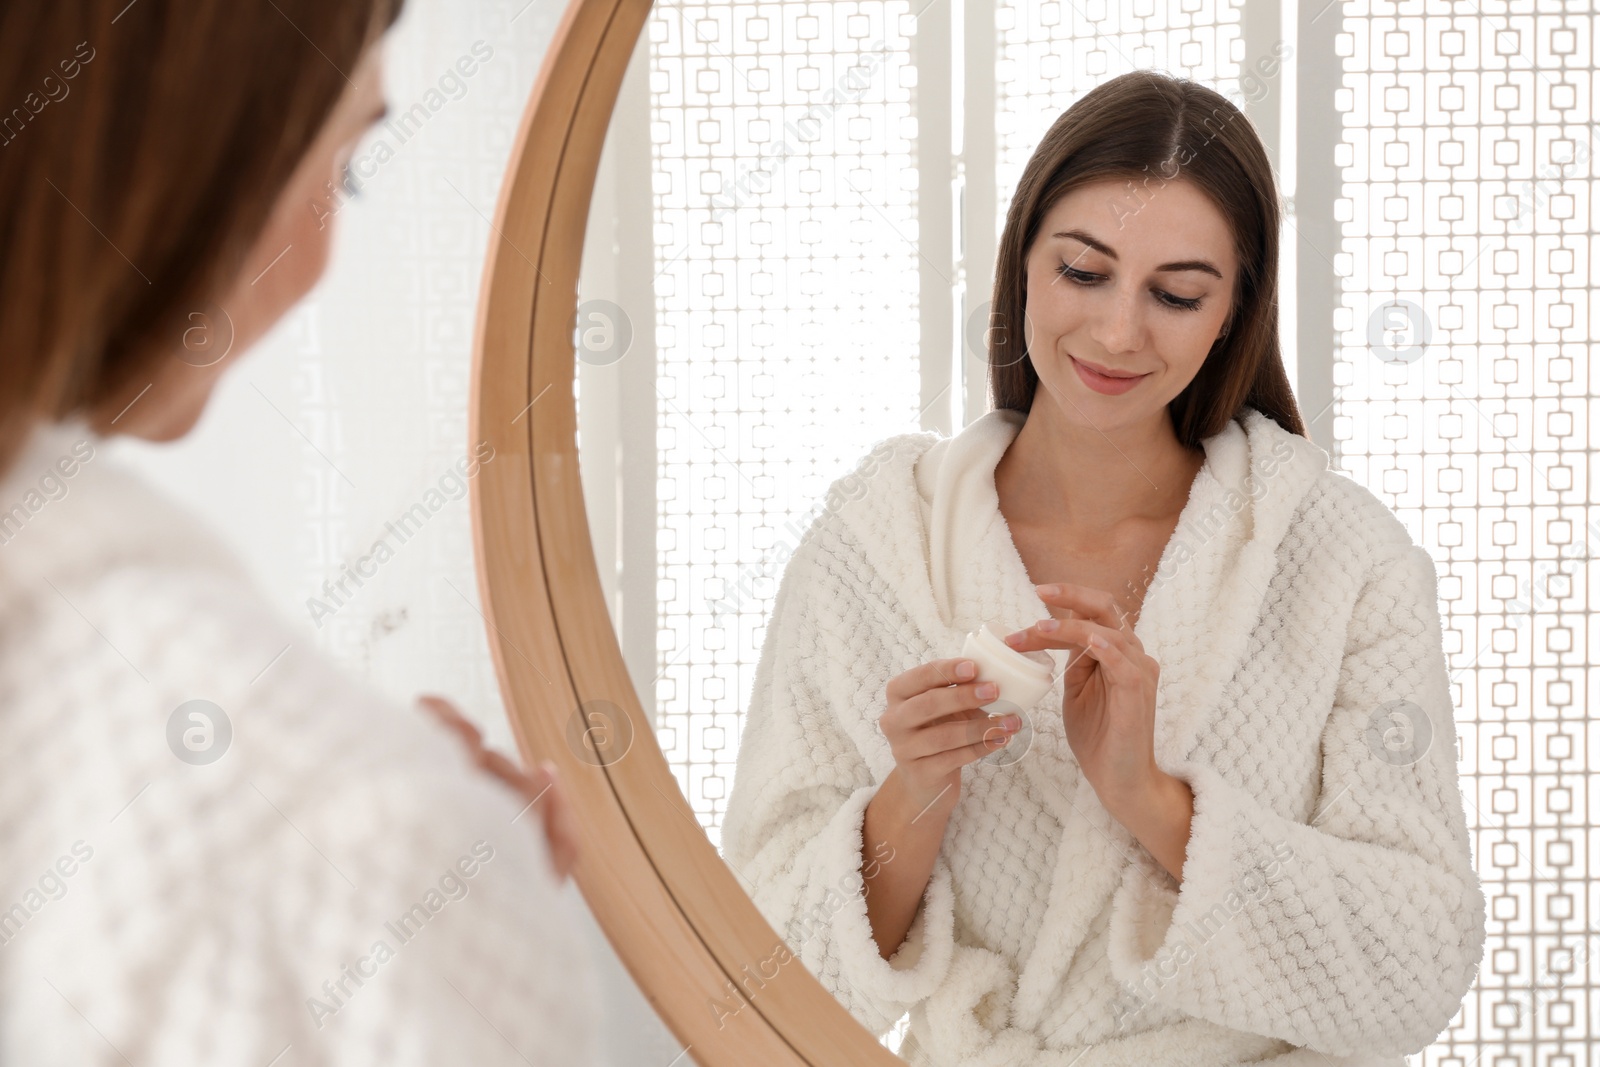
(1108, 703)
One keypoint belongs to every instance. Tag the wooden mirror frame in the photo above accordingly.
(675, 913)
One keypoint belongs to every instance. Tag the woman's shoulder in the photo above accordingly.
(1353, 523)
(120, 606)
(1356, 508)
(891, 461)
(70, 511)
(872, 495)
(1336, 508)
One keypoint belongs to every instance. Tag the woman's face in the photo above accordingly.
(282, 266)
(1131, 286)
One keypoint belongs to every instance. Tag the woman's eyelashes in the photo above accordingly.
(1084, 278)
(349, 180)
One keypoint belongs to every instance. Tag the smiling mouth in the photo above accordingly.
(1103, 372)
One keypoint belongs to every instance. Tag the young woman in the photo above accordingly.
(218, 848)
(1233, 831)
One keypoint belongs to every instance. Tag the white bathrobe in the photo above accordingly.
(155, 910)
(1329, 910)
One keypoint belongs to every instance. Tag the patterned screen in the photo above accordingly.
(1462, 397)
(786, 325)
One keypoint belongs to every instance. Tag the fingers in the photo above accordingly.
(1119, 654)
(933, 705)
(451, 716)
(497, 764)
(935, 724)
(984, 734)
(1070, 634)
(933, 674)
(541, 788)
(560, 822)
(472, 737)
(1097, 605)
(491, 760)
(1115, 658)
(954, 759)
(508, 771)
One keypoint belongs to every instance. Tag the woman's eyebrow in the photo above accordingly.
(1105, 249)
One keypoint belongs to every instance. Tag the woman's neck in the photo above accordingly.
(1085, 482)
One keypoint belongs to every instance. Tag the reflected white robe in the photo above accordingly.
(1329, 910)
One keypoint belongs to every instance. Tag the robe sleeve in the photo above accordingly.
(793, 828)
(1361, 931)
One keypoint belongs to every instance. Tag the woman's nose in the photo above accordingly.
(1119, 326)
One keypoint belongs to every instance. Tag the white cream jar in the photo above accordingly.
(1023, 677)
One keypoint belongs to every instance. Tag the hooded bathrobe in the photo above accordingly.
(1329, 911)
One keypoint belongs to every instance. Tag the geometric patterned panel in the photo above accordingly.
(1463, 396)
(785, 209)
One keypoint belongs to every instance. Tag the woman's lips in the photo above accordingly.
(1102, 383)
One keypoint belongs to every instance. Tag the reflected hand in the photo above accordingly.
(542, 789)
(1108, 702)
(935, 726)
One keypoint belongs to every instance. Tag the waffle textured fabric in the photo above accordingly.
(1328, 912)
(339, 886)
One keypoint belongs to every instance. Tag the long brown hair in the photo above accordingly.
(1147, 127)
(142, 148)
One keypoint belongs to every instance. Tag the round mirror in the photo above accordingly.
(753, 475)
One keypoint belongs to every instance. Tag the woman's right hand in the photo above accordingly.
(935, 727)
(541, 789)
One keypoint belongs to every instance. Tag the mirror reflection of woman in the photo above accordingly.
(1233, 830)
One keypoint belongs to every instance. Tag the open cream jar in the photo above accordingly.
(1023, 677)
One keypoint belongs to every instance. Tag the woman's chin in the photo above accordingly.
(173, 430)
(1083, 406)
(159, 425)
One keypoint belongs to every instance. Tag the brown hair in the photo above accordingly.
(1149, 128)
(142, 148)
